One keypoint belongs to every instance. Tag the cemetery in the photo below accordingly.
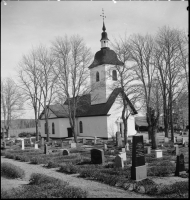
(134, 167)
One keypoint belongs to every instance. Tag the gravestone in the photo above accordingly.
(112, 151)
(73, 145)
(138, 168)
(22, 141)
(175, 140)
(62, 145)
(105, 147)
(176, 149)
(127, 147)
(123, 150)
(118, 139)
(123, 155)
(36, 146)
(97, 156)
(183, 141)
(46, 149)
(158, 153)
(70, 141)
(119, 162)
(95, 138)
(65, 152)
(180, 166)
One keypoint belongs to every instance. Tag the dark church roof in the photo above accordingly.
(105, 56)
(85, 108)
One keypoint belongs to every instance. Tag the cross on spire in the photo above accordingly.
(103, 16)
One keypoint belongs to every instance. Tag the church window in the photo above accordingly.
(114, 75)
(53, 128)
(80, 127)
(97, 76)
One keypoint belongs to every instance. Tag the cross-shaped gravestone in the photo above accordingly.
(123, 155)
(180, 165)
(127, 147)
(119, 162)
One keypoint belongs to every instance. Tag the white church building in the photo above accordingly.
(100, 115)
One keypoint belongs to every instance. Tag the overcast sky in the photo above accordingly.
(26, 24)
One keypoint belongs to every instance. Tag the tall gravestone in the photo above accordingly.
(45, 149)
(138, 168)
(105, 147)
(97, 156)
(35, 146)
(62, 145)
(119, 162)
(118, 140)
(180, 165)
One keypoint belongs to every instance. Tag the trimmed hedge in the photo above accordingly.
(11, 171)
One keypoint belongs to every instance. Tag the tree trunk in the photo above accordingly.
(125, 130)
(165, 117)
(36, 123)
(149, 132)
(154, 141)
(47, 130)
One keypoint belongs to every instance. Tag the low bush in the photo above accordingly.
(43, 186)
(11, 171)
(37, 179)
(69, 168)
(162, 171)
(175, 190)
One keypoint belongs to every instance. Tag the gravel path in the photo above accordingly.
(95, 189)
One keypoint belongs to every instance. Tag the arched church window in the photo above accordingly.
(97, 76)
(53, 128)
(80, 127)
(114, 75)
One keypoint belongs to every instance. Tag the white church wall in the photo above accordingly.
(60, 126)
(63, 125)
(131, 125)
(116, 112)
(98, 94)
(110, 84)
(93, 126)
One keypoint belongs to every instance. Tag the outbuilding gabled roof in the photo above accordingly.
(105, 56)
(85, 109)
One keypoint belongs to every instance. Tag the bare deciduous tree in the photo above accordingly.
(142, 53)
(72, 61)
(12, 102)
(169, 64)
(47, 81)
(125, 81)
(28, 74)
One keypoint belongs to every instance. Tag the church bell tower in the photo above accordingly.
(103, 73)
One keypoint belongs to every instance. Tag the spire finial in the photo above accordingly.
(103, 16)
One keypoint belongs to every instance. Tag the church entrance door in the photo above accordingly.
(69, 130)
